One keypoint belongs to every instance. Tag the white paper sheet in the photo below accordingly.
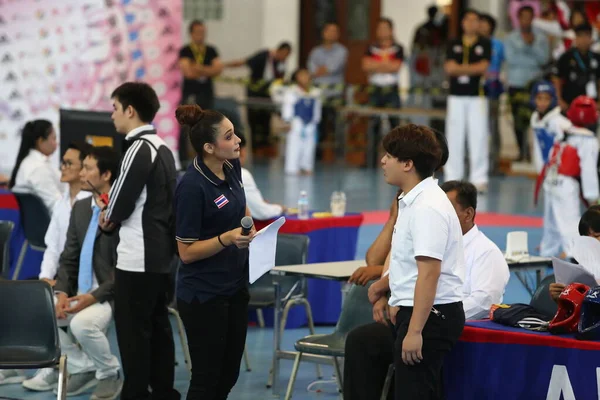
(566, 273)
(586, 250)
(262, 250)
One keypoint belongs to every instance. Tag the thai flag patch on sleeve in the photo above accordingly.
(221, 201)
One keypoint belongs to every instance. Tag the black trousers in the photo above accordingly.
(216, 332)
(144, 335)
(424, 381)
(368, 354)
(520, 105)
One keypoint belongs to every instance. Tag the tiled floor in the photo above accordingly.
(365, 190)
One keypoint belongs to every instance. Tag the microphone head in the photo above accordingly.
(247, 222)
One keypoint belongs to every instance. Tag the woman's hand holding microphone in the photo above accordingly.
(236, 238)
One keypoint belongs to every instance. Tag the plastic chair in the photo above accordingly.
(516, 245)
(541, 299)
(6, 229)
(35, 219)
(356, 311)
(29, 338)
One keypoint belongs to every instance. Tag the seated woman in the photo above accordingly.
(33, 172)
(259, 208)
(589, 225)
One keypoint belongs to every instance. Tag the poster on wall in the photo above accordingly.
(74, 53)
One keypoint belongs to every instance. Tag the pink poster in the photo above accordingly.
(74, 53)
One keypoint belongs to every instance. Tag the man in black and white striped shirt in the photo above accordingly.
(140, 204)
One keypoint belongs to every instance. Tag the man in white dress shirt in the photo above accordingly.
(486, 278)
(260, 209)
(56, 235)
(487, 273)
(426, 265)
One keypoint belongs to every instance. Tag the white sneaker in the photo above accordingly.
(44, 380)
(8, 376)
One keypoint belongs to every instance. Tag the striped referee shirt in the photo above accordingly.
(141, 202)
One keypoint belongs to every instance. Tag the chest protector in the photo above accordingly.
(563, 160)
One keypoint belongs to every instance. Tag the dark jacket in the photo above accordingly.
(104, 258)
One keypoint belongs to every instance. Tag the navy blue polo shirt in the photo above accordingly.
(205, 207)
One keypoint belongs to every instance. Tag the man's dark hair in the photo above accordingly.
(285, 46)
(83, 147)
(387, 21)
(441, 138)
(583, 28)
(140, 96)
(466, 193)
(470, 11)
(417, 143)
(490, 20)
(525, 9)
(431, 12)
(590, 221)
(107, 159)
(194, 23)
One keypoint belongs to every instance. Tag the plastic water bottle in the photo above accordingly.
(303, 205)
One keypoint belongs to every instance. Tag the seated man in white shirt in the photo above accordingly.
(56, 235)
(84, 291)
(486, 277)
(260, 209)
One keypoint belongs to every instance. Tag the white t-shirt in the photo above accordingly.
(427, 226)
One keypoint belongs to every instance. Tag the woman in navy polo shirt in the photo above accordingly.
(212, 288)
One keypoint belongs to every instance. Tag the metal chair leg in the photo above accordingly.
(20, 261)
(246, 359)
(338, 374)
(61, 392)
(260, 317)
(311, 328)
(290, 388)
(183, 339)
(387, 383)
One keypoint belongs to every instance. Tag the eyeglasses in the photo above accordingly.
(66, 164)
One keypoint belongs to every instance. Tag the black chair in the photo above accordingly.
(35, 219)
(6, 229)
(29, 335)
(356, 311)
(541, 299)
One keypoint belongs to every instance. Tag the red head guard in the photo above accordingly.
(583, 112)
(569, 309)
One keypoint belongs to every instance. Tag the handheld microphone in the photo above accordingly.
(103, 196)
(247, 224)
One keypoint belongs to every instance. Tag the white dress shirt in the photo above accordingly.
(38, 176)
(56, 235)
(486, 274)
(259, 208)
(427, 226)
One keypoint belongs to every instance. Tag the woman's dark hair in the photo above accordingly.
(203, 125)
(590, 221)
(32, 131)
(417, 143)
(107, 159)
